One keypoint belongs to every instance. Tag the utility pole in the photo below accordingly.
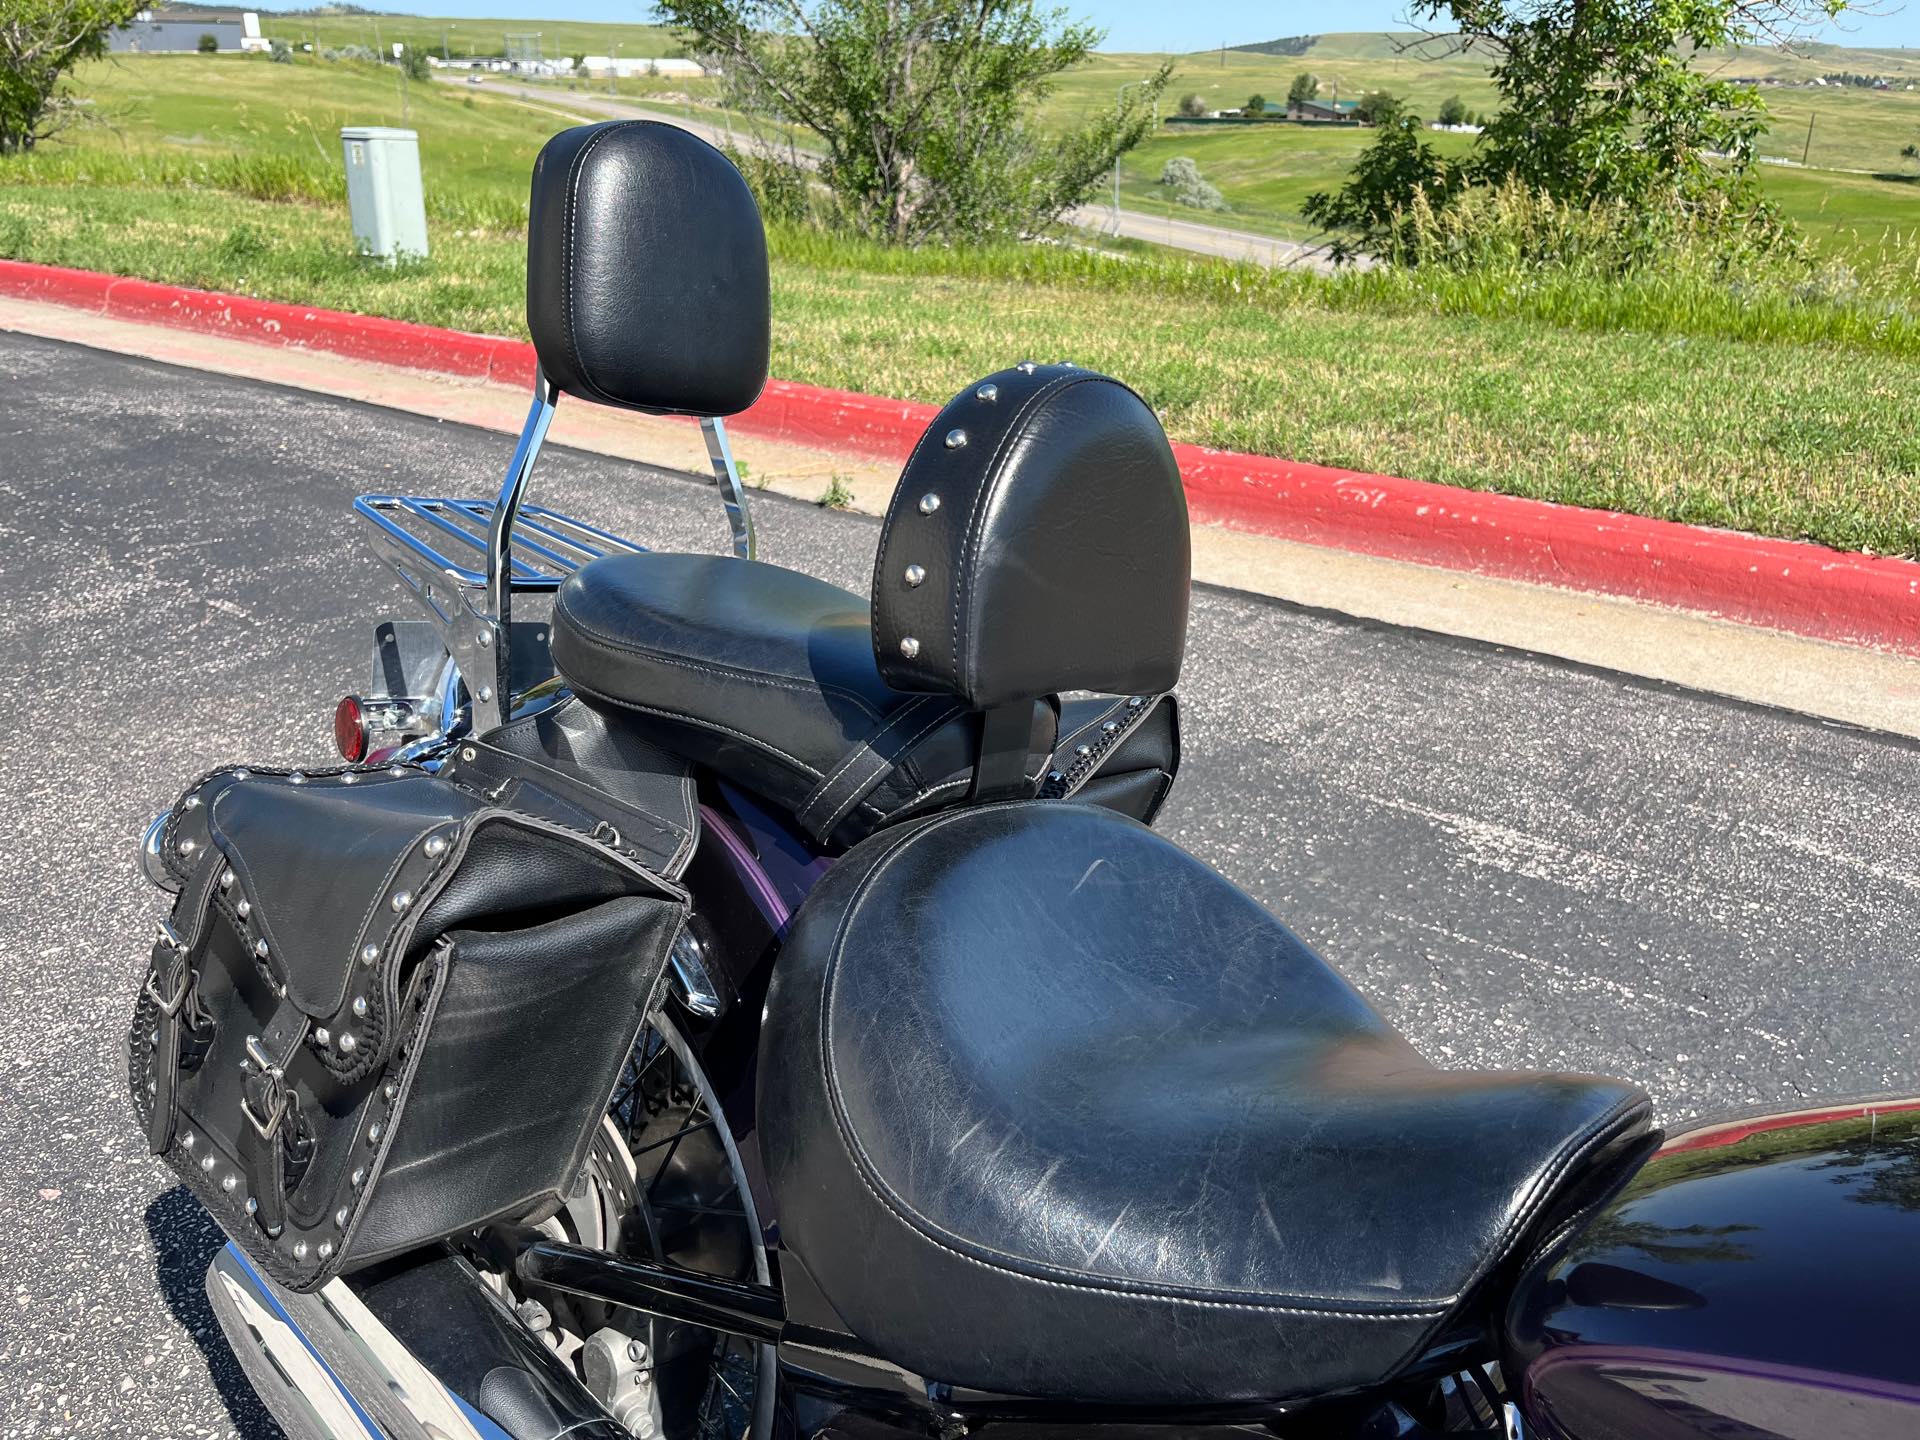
(1808, 149)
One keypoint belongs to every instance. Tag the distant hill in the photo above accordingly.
(1338, 45)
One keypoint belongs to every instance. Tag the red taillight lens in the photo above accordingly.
(350, 730)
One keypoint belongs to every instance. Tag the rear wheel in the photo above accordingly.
(663, 1180)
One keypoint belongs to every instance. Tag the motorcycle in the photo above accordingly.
(710, 1003)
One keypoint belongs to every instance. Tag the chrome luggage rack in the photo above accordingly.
(464, 561)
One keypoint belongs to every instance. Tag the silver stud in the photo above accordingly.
(987, 394)
(374, 1132)
(340, 1217)
(1056, 776)
(208, 1161)
(296, 778)
(192, 802)
(392, 1091)
(260, 948)
(402, 899)
(273, 1231)
(243, 909)
(469, 753)
(956, 439)
(299, 1249)
(437, 846)
(323, 1037)
(1112, 727)
(929, 503)
(186, 847)
(186, 1141)
(243, 774)
(347, 1043)
(252, 1206)
(1026, 367)
(359, 1177)
(369, 954)
(484, 636)
(325, 1252)
(226, 879)
(915, 574)
(360, 1005)
(1135, 703)
(909, 646)
(230, 1183)
(348, 778)
(1082, 751)
(486, 692)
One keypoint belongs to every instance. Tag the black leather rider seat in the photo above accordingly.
(1049, 1108)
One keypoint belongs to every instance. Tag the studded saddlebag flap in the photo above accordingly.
(385, 1010)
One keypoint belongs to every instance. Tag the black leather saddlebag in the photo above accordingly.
(386, 1009)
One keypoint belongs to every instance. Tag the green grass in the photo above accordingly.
(1676, 397)
(558, 38)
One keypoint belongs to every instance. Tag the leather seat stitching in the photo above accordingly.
(573, 205)
(936, 723)
(703, 724)
(854, 754)
(969, 538)
(778, 680)
(1002, 1263)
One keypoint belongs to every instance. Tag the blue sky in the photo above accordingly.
(1195, 25)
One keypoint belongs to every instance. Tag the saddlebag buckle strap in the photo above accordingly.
(268, 1125)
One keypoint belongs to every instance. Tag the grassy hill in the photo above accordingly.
(1755, 409)
(463, 38)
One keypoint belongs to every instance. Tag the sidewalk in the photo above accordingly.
(1836, 682)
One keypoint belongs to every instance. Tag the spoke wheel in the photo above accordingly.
(663, 1180)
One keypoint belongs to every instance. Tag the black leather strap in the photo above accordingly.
(170, 982)
(262, 1142)
(862, 768)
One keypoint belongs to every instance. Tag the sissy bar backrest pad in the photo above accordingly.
(387, 1009)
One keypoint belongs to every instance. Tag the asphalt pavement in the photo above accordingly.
(1521, 862)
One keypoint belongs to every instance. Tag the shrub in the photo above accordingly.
(1182, 176)
(1453, 111)
(1256, 104)
(279, 52)
(1192, 106)
(209, 45)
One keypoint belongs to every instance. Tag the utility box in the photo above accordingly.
(383, 191)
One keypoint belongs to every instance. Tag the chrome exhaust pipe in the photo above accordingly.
(325, 1365)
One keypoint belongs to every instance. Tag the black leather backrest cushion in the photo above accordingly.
(647, 271)
(1037, 543)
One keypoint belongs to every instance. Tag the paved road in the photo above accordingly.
(1191, 235)
(1521, 862)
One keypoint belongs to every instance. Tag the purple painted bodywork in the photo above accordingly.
(1757, 1279)
(778, 868)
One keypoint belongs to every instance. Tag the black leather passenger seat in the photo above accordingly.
(1050, 1108)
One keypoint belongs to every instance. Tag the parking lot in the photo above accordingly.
(1519, 861)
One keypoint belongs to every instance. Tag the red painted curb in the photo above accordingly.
(1808, 589)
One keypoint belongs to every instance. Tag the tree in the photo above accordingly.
(1193, 106)
(1378, 107)
(1182, 176)
(1601, 99)
(1305, 87)
(926, 109)
(413, 61)
(1372, 207)
(40, 42)
(1256, 105)
(1453, 111)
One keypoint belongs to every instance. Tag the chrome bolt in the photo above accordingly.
(929, 503)
(486, 692)
(484, 635)
(956, 439)
(909, 646)
(469, 753)
(915, 574)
